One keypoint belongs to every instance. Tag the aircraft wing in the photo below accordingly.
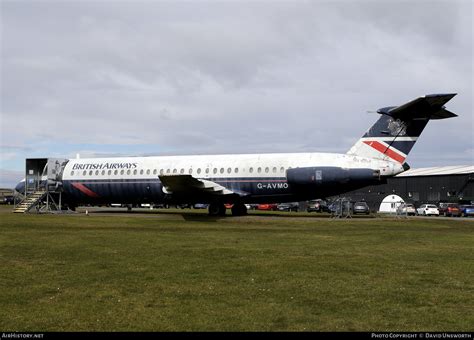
(187, 184)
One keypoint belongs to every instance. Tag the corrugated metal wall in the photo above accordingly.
(419, 190)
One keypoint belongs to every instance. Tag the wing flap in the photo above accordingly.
(187, 184)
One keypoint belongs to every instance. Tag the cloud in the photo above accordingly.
(9, 178)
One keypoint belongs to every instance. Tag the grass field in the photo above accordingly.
(190, 272)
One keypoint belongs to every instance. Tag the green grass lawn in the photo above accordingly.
(189, 272)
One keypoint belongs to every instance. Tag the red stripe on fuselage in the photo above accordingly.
(385, 150)
(85, 190)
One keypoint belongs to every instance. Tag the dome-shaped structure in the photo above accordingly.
(390, 204)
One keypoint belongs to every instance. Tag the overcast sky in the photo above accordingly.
(113, 78)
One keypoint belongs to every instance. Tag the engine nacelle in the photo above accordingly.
(330, 176)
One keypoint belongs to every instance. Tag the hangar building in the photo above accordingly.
(423, 185)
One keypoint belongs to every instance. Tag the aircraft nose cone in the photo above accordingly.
(20, 187)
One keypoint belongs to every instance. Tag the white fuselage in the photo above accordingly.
(212, 166)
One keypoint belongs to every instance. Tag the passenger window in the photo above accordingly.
(162, 171)
(97, 172)
(135, 171)
(141, 172)
(236, 170)
(222, 170)
(155, 171)
(148, 171)
(259, 170)
(109, 172)
(103, 172)
(250, 170)
(215, 170)
(199, 171)
(116, 172)
(168, 171)
(122, 172)
(175, 171)
(182, 171)
(282, 169)
(267, 170)
(72, 173)
(274, 169)
(90, 173)
(128, 172)
(190, 171)
(207, 170)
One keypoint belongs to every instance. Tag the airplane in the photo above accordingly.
(241, 179)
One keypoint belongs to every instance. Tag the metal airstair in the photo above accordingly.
(43, 187)
(30, 201)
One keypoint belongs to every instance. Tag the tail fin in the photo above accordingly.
(397, 130)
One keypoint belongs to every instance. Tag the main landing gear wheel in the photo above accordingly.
(239, 209)
(217, 209)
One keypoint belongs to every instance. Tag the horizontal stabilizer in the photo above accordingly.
(429, 106)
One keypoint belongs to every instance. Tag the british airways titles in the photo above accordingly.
(104, 166)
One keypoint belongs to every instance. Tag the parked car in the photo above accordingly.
(288, 206)
(317, 206)
(406, 209)
(184, 206)
(449, 209)
(428, 209)
(8, 199)
(360, 208)
(200, 206)
(467, 210)
(161, 206)
(267, 206)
